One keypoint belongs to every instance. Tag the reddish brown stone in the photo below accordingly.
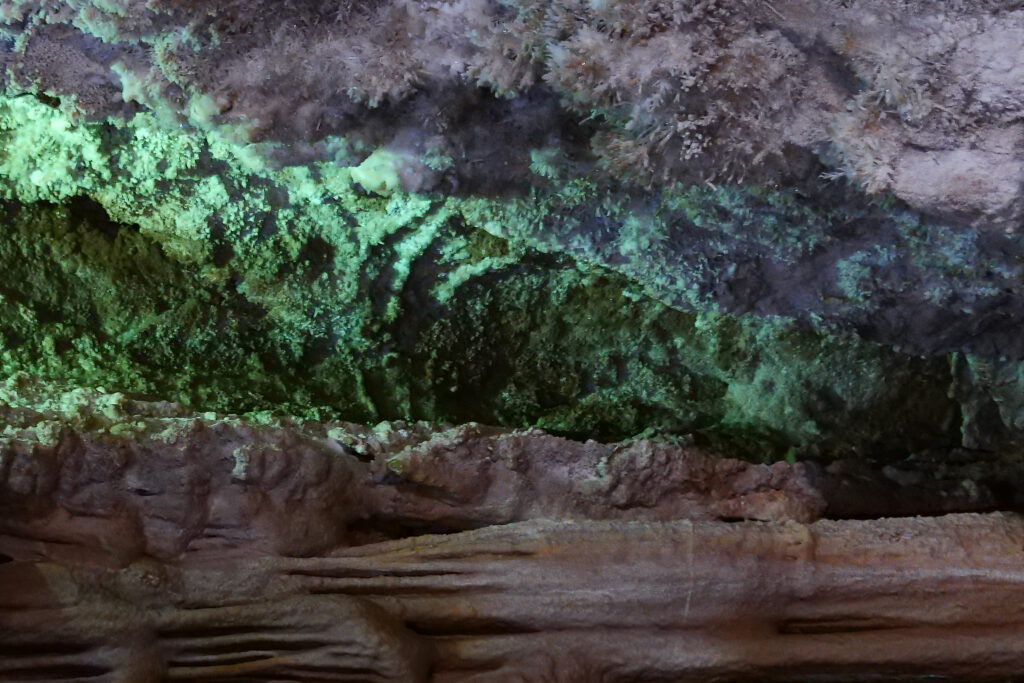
(160, 546)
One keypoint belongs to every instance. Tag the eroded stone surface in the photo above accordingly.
(107, 479)
(141, 542)
(546, 601)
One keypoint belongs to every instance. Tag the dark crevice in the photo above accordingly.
(377, 529)
(246, 630)
(228, 660)
(48, 649)
(347, 573)
(269, 644)
(54, 672)
(470, 627)
(838, 625)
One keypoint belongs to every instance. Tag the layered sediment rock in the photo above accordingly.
(141, 542)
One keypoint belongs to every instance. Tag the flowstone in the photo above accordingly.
(143, 542)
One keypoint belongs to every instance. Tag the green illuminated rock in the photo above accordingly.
(180, 266)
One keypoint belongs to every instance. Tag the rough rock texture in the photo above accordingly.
(670, 314)
(140, 542)
(298, 217)
(917, 96)
(440, 322)
(136, 479)
(536, 96)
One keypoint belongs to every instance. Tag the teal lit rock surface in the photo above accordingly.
(162, 263)
(756, 237)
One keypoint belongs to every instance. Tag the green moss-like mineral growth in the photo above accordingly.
(183, 267)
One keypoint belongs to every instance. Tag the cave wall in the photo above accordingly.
(710, 166)
(525, 340)
(239, 290)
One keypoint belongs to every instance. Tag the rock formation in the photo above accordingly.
(142, 542)
(689, 330)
